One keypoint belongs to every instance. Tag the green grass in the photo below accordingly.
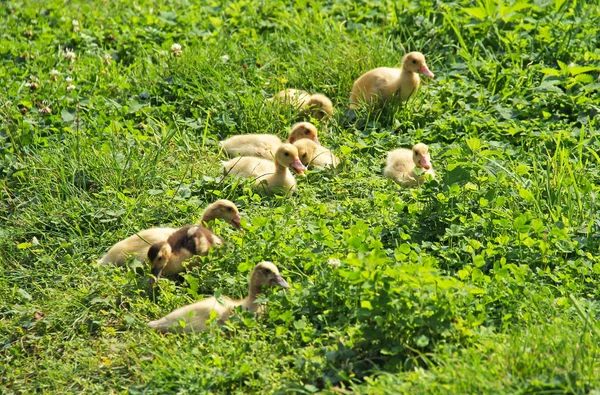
(484, 280)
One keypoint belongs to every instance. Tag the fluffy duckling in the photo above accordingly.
(311, 154)
(274, 177)
(402, 162)
(317, 106)
(192, 318)
(379, 85)
(260, 145)
(303, 130)
(265, 145)
(139, 244)
(167, 257)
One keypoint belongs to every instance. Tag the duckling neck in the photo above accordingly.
(280, 171)
(253, 292)
(208, 218)
(408, 83)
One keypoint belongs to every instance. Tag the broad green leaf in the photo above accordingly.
(476, 12)
(576, 70)
(549, 71)
(527, 195)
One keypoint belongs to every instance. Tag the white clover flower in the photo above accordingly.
(33, 83)
(225, 58)
(334, 263)
(69, 54)
(54, 73)
(75, 24)
(45, 110)
(163, 53)
(107, 59)
(69, 80)
(176, 49)
(71, 87)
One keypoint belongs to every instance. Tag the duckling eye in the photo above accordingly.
(286, 154)
(229, 209)
(414, 62)
(266, 272)
(306, 132)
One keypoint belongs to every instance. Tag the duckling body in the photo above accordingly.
(272, 177)
(318, 105)
(265, 145)
(311, 154)
(402, 162)
(377, 86)
(139, 244)
(192, 318)
(136, 245)
(259, 145)
(167, 257)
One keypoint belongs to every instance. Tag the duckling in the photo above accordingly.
(318, 105)
(265, 145)
(303, 130)
(192, 318)
(379, 85)
(274, 177)
(167, 257)
(260, 145)
(401, 164)
(315, 155)
(139, 243)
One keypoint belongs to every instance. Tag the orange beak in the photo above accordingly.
(298, 166)
(425, 71)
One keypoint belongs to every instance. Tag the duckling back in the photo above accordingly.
(136, 245)
(192, 318)
(259, 145)
(248, 167)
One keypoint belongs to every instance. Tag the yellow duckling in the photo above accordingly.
(317, 106)
(402, 162)
(311, 154)
(377, 86)
(265, 145)
(273, 177)
(192, 318)
(139, 243)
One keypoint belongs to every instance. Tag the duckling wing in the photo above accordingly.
(259, 145)
(137, 244)
(191, 318)
(249, 167)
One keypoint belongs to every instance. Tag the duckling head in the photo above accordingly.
(303, 130)
(158, 255)
(421, 156)
(287, 155)
(320, 106)
(266, 273)
(306, 150)
(415, 62)
(225, 210)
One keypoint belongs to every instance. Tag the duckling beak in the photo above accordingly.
(425, 71)
(156, 272)
(298, 166)
(278, 280)
(426, 162)
(236, 222)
